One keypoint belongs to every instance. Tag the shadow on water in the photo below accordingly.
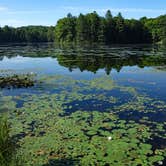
(157, 142)
(87, 105)
(62, 162)
(159, 116)
(90, 105)
(111, 99)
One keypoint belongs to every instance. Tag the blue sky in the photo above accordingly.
(47, 12)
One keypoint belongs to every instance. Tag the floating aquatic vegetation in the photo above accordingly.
(85, 136)
(92, 133)
(17, 81)
(6, 104)
(82, 136)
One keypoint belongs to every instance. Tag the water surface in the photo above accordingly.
(127, 81)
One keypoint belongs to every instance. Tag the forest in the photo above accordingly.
(92, 28)
(27, 34)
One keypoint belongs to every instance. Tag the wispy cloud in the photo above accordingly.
(2, 8)
(12, 22)
(25, 17)
(78, 9)
(28, 12)
(137, 10)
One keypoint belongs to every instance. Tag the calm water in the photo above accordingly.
(139, 66)
(137, 70)
(142, 67)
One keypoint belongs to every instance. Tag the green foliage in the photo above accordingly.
(5, 143)
(81, 28)
(8, 155)
(93, 28)
(51, 135)
(65, 29)
(157, 27)
(27, 34)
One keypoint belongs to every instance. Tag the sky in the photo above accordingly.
(46, 12)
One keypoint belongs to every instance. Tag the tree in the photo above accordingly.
(51, 34)
(81, 28)
(120, 29)
(110, 27)
(108, 15)
(27, 34)
(102, 31)
(66, 29)
(93, 22)
(91, 28)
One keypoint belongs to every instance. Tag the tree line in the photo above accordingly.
(27, 34)
(92, 28)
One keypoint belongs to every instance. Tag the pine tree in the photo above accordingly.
(102, 31)
(120, 29)
(110, 27)
(81, 29)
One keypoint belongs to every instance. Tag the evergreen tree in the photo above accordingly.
(110, 27)
(91, 28)
(120, 29)
(81, 28)
(108, 15)
(93, 21)
(102, 31)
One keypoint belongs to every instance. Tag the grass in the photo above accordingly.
(8, 155)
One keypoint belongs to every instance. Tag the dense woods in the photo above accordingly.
(91, 28)
(27, 34)
(94, 28)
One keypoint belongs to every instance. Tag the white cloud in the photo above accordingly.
(28, 12)
(77, 9)
(21, 17)
(138, 10)
(2, 8)
(12, 22)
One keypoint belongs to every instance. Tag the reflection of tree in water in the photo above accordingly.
(163, 68)
(93, 62)
(91, 57)
(27, 50)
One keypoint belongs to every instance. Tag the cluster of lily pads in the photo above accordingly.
(86, 122)
(16, 81)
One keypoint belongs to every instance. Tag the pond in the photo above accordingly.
(87, 105)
